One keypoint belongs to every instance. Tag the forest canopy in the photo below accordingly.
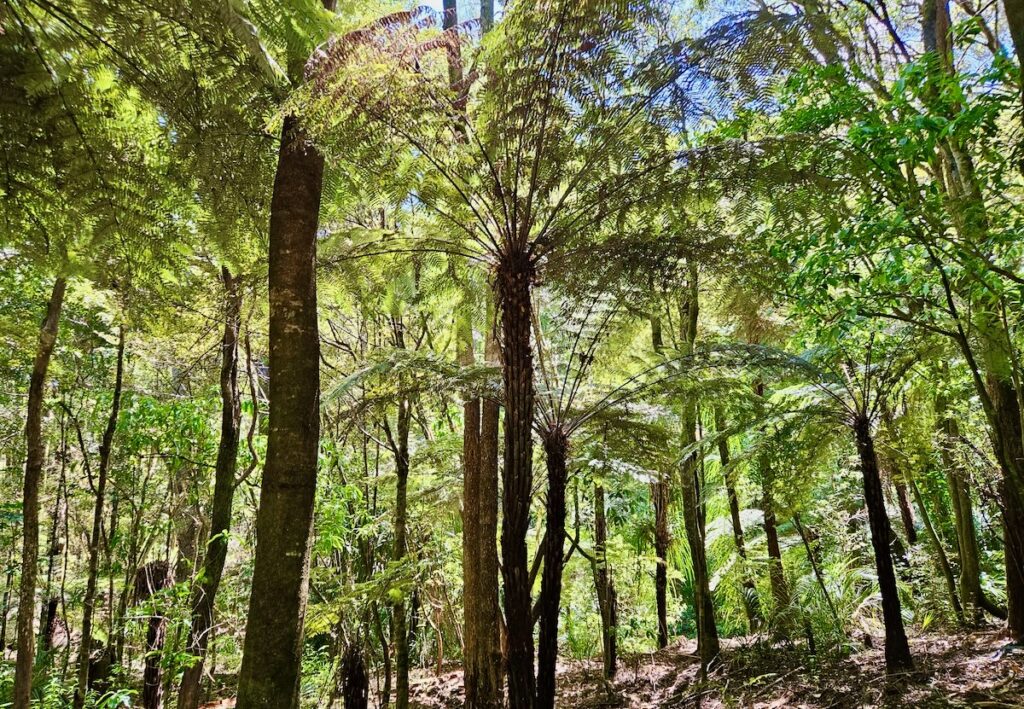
(540, 353)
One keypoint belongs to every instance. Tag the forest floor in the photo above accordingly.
(952, 670)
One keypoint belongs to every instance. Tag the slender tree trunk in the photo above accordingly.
(692, 495)
(604, 585)
(812, 558)
(205, 594)
(776, 572)
(897, 650)
(399, 620)
(514, 285)
(472, 543)
(490, 678)
(482, 652)
(750, 603)
(707, 632)
(940, 554)
(88, 602)
(35, 453)
(660, 498)
(556, 450)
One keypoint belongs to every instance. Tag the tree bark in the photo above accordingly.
(750, 603)
(897, 650)
(556, 446)
(490, 677)
(205, 594)
(399, 620)
(660, 498)
(272, 653)
(471, 534)
(514, 284)
(604, 585)
(35, 454)
(692, 494)
(1010, 453)
(776, 572)
(88, 602)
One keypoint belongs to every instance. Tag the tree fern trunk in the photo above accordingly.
(556, 450)
(514, 283)
(897, 650)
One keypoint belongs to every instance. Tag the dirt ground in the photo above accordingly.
(963, 670)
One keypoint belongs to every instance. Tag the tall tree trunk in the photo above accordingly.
(272, 653)
(750, 603)
(471, 534)
(556, 446)
(482, 652)
(514, 284)
(661, 496)
(490, 678)
(999, 393)
(604, 585)
(897, 650)
(692, 494)
(399, 621)
(35, 453)
(88, 602)
(204, 596)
